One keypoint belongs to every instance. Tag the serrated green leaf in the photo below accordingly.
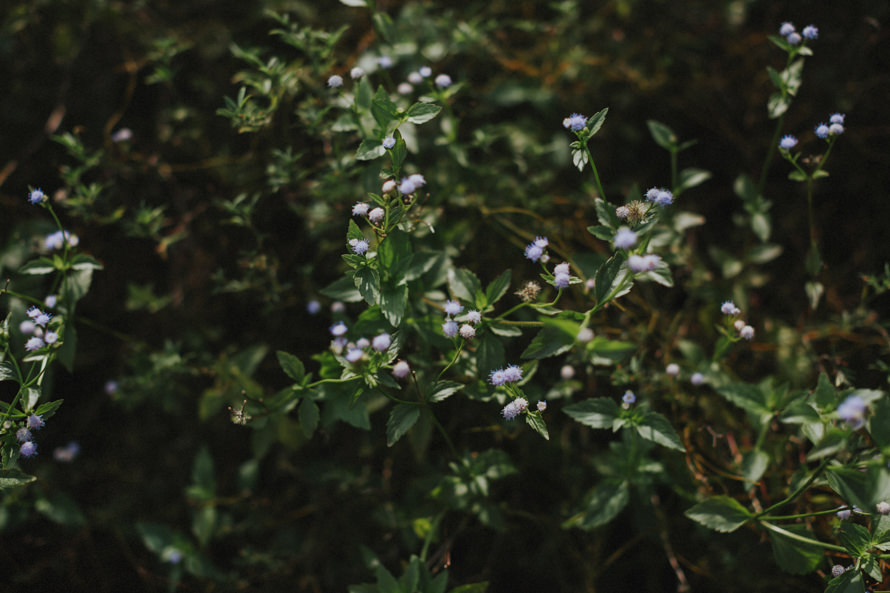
(368, 284)
(754, 464)
(855, 538)
(342, 289)
(497, 288)
(849, 582)
(7, 372)
(596, 121)
(85, 262)
(444, 389)
(656, 428)
(720, 513)
(537, 423)
(291, 365)
(599, 412)
(401, 419)
(464, 284)
(606, 276)
(601, 232)
(557, 336)
(748, 397)
(383, 109)
(490, 354)
(393, 302)
(792, 555)
(602, 505)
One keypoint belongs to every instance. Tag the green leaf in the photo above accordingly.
(596, 121)
(656, 428)
(601, 232)
(490, 354)
(754, 464)
(367, 281)
(606, 351)
(12, 478)
(557, 336)
(855, 538)
(480, 587)
(464, 284)
(38, 267)
(308, 414)
(383, 23)
(602, 505)
(745, 188)
(761, 254)
(825, 394)
(761, 225)
(579, 158)
(393, 301)
(444, 389)
(663, 135)
(61, 509)
(720, 513)
(605, 214)
(369, 149)
(814, 292)
(420, 113)
(537, 422)
(606, 276)
(386, 583)
(599, 412)
(85, 262)
(291, 365)
(879, 423)
(497, 288)
(792, 555)
(342, 289)
(748, 397)
(777, 105)
(7, 372)
(355, 3)
(401, 419)
(203, 476)
(797, 176)
(383, 109)
(691, 177)
(851, 485)
(394, 253)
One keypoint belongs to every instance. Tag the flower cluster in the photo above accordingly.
(358, 350)
(834, 127)
(643, 263)
(58, 239)
(511, 374)
(788, 31)
(729, 309)
(36, 327)
(411, 184)
(515, 408)
(628, 399)
(441, 81)
(561, 277)
(28, 447)
(633, 212)
(537, 250)
(575, 122)
(661, 196)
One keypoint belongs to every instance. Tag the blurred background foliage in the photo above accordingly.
(214, 239)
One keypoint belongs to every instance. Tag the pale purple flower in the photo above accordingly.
(822, 131)
(122, 135)
(359, 246)
(389, 142)
(512, 373)
(747, 332)
(497, 377)
(584, 335)
(384, 62)
(452, 307)
(664, 198)
(338, 329)
(376, 215)
(401, 370)
(35, 422)
(27, 327)
(533, 252)
(388, 186)
(51, 337)
(837, 570)
(404, 88)
(542, 405)
(836, 118)
(852, 411)
(449, 328)
(810, 32)
(786, 29)
(567, 372)
(729, 308)
(67, 453)
(425, 71)
(474, 317)
(415, 78)
(28, 449)
(510, 411)
(562, 268)
(787, 142)
(467, 331)
(443, 81)
(354, 354)
(629, 397)
(356, 73)
(36, 196)
(697, 379)
(575, 122)
(22, 435)
(794, 39)
(34, 343)
(50, 301)
(836, 129)
(844, 514)
(625, 238)
(417, 179)
(622, 212)
(313, 307)
(883, 508)
(362, 342)
(561, 280)
(407, 186)
(381, 342)
(672, 369)
(335, 81)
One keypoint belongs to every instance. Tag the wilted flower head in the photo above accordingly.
(529, 292)
(852, 411)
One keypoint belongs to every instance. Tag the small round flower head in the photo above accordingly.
(356, 73)
(625, 238)
(747, 332)
(738, 324)
(844, 514)
(28, 449)
(672, 369)
(338, 329)
(34, 343)
(810, 32)
(787, 142)
(42, 319)
(35, 196)
(567, 372)
(362, 342)
(513, 373)
(793, 38)
(388, 186)
(533, 252)
(384, 62)
(561, 281)
(836, 129)
(415, 78)
(638, 263)
(122, 135)
(389, 142)
(337, 345)
(33, 312)
(335, 81)
(67, 453)
(541, 242)
(354, 354)
(22, 435)
(664, 198)
(111, 387)
(417, 179)
(511, 410)
(381, 342)
(729, 308)
(542, 405)
(584, 335)
(50, 301)
(443, 81)
(474, 317)
(425, 71)
(521, 403)
(51, 337)
(836, 118)
(404, 88)
(575, 122)
(562, 268)
(174, 557)
(497, 378)
(822, 131)
(376, 215)
(697, 379)
(452, 308)
(837, 570)
(313, 307)
(852, 411)
(883, 507)
(407, 186)
(27, 327)
(652, 193)
(622, 212)
(401, 370)
(786, 29)
(338, 307)
(449, 328)
(629, 397)
(359, 246)
(467, 331)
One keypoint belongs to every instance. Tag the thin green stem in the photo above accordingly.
(771, 153)
(453, 360)
(800, 516)
(596, 175)
(801, 538)
(797, 492)
(429, 536)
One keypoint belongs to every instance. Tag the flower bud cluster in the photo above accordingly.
(729, 309)
(36, 326)
(537, 250)
(28, 447)
(360, 349)
(575, 122)
(788, 31)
